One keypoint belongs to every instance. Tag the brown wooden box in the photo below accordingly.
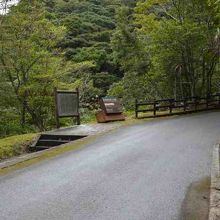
(102, 117)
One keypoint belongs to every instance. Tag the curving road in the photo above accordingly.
(139, 172)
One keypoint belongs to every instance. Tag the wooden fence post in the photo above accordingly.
(171, 101)
(136, 108)
(207, 102)
(155, 108)
(195, 102)
(218, 100)
(78, 121)
(185, 104)
(56, 109)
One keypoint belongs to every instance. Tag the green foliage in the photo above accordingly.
(167, 49)
(144, 49)
(10, 124)
(128, 50)
(28, 64)
(183, 40)
(90, 25)
(135, 86)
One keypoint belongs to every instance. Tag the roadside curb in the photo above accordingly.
(214, 206)
(23, 158)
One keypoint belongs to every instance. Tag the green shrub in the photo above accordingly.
(13, 128)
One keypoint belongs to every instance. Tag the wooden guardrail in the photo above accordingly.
(164, 107)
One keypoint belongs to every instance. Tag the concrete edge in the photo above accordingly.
(214, 206)
(28, 156)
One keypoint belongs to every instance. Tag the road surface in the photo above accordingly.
(140, 172)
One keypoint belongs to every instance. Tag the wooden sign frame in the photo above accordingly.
(57, 107)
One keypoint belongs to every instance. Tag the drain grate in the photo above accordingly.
(46, 141)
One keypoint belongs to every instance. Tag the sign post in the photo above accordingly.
(67, 105)
(111, 110)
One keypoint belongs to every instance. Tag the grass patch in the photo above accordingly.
(15, 145)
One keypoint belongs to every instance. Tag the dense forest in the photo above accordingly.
(144, 49)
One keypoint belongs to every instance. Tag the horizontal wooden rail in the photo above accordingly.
(165, 107)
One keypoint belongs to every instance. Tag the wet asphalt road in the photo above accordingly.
(140, 172)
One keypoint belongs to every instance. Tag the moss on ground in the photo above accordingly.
(15, 145)
(196, 203)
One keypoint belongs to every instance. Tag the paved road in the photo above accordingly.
(140, 172)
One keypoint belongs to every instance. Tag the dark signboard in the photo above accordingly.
(67, 104)
(111, 105)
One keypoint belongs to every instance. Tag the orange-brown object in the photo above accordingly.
(102, 117)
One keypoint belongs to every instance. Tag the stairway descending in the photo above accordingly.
(46, 141)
